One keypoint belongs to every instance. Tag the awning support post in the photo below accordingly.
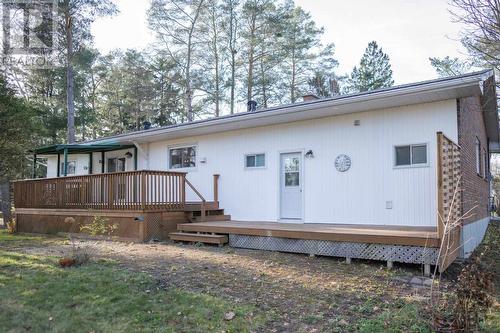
(65, 169)
(34, 166)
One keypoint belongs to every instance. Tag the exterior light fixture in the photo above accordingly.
(309, 154)
(128, 154)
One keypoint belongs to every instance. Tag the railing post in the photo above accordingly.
(183, 191)
(143, 190)
(216, 188)
(440, 205)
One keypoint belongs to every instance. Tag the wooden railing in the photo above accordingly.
(130, 190)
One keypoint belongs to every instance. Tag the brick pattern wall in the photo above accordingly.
(475, 189)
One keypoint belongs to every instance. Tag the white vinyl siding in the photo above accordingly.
(329, 196)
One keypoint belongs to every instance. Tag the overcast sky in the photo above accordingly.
(409, 31)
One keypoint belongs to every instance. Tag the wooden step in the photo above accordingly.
(210, 218)
(196, 206)
(207, 212)
(202, 238)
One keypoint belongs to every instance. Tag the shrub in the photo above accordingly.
(473, 296)
(11, 226)
(82, 253)
(99, 227)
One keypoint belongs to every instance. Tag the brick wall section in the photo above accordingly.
(475, 189)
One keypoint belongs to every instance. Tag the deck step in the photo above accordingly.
(202, 238)
(211, 218)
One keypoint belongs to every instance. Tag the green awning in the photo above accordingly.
(79, 148)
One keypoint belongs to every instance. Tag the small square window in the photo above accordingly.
(255, 161)
(410, 155)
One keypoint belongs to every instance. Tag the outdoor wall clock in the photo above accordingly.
(342, 163)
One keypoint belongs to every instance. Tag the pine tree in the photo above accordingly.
(374, 71)
(449, 66)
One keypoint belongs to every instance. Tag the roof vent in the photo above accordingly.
(251, 106)
(309, 97)
(147, 125)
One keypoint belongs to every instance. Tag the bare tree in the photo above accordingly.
(230, 9)
(176, 24)
(481, 35)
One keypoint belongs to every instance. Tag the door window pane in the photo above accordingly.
(291, 164)
(292, 179)
(419, 154)
(403, 155)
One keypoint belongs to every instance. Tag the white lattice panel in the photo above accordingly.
(396, 253)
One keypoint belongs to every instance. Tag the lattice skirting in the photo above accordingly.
(396, 253)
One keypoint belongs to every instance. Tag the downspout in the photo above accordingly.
(135, 158)
(143, 152)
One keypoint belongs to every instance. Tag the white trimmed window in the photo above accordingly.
(71, 168)
(409, 155)
(485, 168)
(255, 160)
(478, 156)
(182, 157)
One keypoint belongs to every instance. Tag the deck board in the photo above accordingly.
(379, 234)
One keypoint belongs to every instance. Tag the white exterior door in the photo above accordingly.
(291, 186)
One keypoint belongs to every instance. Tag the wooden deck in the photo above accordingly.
(378, 234)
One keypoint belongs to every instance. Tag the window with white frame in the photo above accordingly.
(478, 156)
(410, 155)
(485, 168)
(182, 157)
(71, 170)
(255, 160)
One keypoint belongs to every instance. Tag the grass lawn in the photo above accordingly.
(172, 288)
(38, 296)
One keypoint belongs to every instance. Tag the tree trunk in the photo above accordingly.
(232, 42)
(70, 98)
(251, 61)
(5, 202)
(233, 73)
(264, 83)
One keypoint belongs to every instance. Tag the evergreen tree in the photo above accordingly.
(449, 66)
(374, 71)
(19, 125)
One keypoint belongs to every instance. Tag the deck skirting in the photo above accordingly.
(396, 253)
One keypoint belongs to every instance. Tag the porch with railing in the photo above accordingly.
(143, 190)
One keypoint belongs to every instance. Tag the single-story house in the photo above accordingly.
(389, 174)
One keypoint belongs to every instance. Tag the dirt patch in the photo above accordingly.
(296, 292)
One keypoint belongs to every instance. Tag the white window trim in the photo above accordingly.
(485, 163)
(477, 149)
(254, 167)
(195, 145)
(407, 166)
